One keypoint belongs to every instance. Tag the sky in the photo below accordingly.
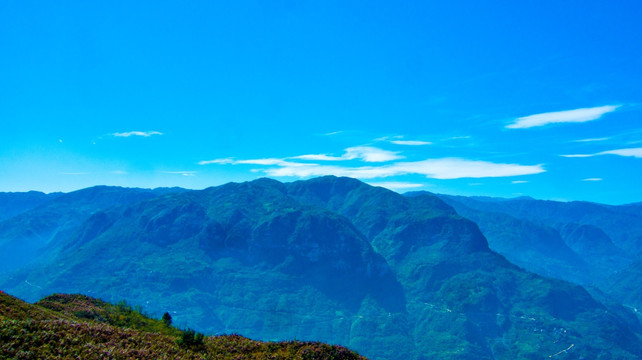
(493, 98)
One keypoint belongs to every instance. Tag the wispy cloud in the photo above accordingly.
(632, 152)
(137, 133)
(217, 161)
(592, 179)
(519, 182)
(458, 137)
(266, 161)
(578, 155)
(592, 140)
(410, 142)
(319, 157)
(333, 133)
(446, 168)
(184, 173)
(364, 153)
(568, 116)
(398, 140)
(396, 185)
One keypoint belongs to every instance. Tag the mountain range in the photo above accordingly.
(339, 261)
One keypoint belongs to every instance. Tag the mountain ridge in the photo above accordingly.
(330, 259)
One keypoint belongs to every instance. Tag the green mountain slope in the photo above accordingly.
(453, 283)
(76, 326)
(329, 259)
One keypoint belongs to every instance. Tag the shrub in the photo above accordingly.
(191, 338)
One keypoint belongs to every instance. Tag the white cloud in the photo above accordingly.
(519, 182)
(593, 139)
(371, 154)
(447, 168)
(577, 155)
(137, 133)
(568, 116)
(396, 185)
(184, 173)
(410, 142)
(592, 179)
(398, 140)
(266, 161)
(633, 152)
(333, 133)
(319, 157)
(455, 168)
(364, 153)
(217, 161)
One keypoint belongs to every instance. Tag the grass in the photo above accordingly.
(79, 327)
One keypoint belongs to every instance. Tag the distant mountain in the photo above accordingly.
(573, 241)
(329, 259)
(41, 218)
(14, 203)
(622, 224)
(77, 326)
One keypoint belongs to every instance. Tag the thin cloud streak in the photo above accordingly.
(137, 133)
(410, 142)
(632, 152)
(592, 179)
(184, 173)
(396, 185)
(592, 140)
(568, 116)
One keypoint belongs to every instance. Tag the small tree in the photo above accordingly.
(167, 319)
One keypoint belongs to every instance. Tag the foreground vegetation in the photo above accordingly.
(77, 326)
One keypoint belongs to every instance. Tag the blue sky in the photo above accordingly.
(503, 98)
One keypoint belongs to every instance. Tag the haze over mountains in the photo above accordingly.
(336, 260)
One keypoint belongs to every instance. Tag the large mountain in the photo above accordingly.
(330, 259)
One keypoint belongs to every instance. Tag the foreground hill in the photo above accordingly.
(77, 326)
(330, 259)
